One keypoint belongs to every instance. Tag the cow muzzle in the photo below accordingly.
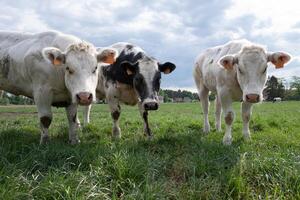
(252, 98)
(151, 105)
(84, 98)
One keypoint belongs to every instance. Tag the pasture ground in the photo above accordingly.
(179, 163)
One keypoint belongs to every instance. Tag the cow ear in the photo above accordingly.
(279, 59)
(54, 55)
(107, 55)
(166, 68)
(130, 68)
(228, 61)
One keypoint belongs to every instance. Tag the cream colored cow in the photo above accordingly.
(236, 71)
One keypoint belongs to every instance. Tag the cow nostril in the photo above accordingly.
(151, 106)
(252, 98)
(77, 96)
(146, 106)
(90, 97)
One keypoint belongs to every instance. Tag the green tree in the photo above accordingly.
(295, 84)
(274, 88)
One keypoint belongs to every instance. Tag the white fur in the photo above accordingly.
(31, 72)
(245, 75)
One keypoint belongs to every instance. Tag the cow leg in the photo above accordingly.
(218, 114)
(86, 115)
(144, 114)
(71, 111)
(115, 110)
(115, 114)
(228, 116)
(246, 114)
(45, 122)
(203, 95)
(43, 99)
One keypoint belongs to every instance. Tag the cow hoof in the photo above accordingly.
(206, 130)
(44, 139)
(150, 137)
(74, 141)
(116, 133)
(247, 137)
(227, 141)
(218, 129)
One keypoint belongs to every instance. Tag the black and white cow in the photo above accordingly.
(133, 79)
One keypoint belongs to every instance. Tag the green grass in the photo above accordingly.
(179, 163)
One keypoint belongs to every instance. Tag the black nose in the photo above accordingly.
(151, 106)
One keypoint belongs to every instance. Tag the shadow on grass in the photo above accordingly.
(175, 156)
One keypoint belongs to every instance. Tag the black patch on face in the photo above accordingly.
(46, 121)
(129, 46)
(156, 81)
(115, 115)
(141, 86)
(116, 72)
(4, 65)
(61, 104)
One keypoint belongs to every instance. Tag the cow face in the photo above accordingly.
(146, 75)
(81, 71)
(251, 68)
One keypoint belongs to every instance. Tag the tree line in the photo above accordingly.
(286, 90)
(275, 87)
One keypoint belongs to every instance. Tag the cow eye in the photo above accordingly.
(95, 70)
(240, 70)
(69, 70)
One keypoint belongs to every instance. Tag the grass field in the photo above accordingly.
(179, 163)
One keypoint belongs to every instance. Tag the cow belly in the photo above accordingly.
(24, 89)
(210, 82)
(128, 97)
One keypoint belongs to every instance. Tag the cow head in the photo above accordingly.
(146, 75)
(80, 65)
(251, 65)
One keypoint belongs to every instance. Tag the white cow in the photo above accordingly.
(236, 71)
(52, 68)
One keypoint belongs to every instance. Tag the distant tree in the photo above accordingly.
(274, 88)
(8, 98)
(172, 94)
(295, 84)
(294, 91)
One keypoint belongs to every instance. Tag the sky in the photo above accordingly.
(175, 31)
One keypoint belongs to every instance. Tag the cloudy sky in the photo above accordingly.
(175, 31)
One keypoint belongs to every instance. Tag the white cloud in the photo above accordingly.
(281, 15)
(174, 31)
